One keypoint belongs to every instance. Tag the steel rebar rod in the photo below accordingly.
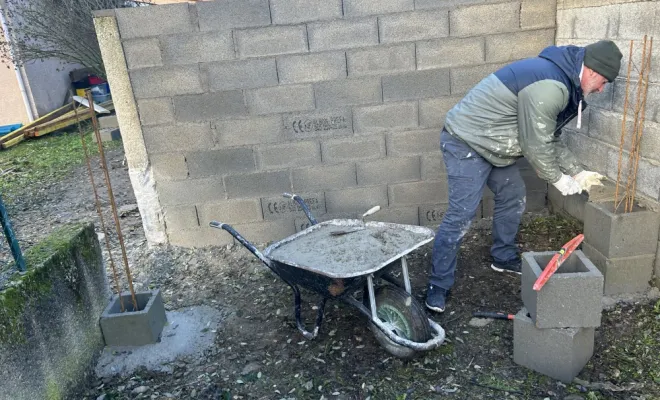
(95, 124)
(98, 207)
(623, 128)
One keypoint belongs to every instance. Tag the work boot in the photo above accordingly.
(512, 266)
(436, 298)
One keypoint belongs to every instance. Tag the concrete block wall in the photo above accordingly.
(596, 144)
(340, 101)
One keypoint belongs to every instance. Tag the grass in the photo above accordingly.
(39, 161)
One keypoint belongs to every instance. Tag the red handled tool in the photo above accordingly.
(494, 315)
(557, 260)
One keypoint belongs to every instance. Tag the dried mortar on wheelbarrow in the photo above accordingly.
(365, 247)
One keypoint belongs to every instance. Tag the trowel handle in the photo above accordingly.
(372, 210)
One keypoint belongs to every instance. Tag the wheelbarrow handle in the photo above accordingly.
(493, 315)
(242, 240)
(302, 204)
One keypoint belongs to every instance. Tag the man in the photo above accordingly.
(518, 111)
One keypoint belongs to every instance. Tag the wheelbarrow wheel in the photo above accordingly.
(406, 317)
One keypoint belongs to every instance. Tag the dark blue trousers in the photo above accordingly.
(468, 173)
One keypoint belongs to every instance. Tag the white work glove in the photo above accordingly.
(587, 179)
(567, 185)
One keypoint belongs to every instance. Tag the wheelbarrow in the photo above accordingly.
(343, 258)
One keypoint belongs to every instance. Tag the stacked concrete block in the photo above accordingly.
(241, 100)
(554, 332)
(622, 245)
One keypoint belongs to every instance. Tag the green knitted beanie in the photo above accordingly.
(604, 57)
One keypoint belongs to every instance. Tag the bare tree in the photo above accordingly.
(55, 29)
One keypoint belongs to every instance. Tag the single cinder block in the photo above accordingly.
(135, 22)
(134, 327)
(353, 8)
(413, 26)
(385, 117)
(166, 81)
(173, 138)
(484, 19)
(324, 123)
(413, 142)
(348, 92)
(388, 170)
(538, 14)
(266, 231)
(204, 236)
(570, 298)
(464, 79)
(208, 106)
(169, 166)
(180, 217)
(244, 74)
(532, 181)
(190, 191)
(432, 112)
(381, 60)
(356, 200)
(324, 177)
(279, 207)
(558, 353)
(342, 34)
(445, 53)
(528, 44)
(416, 85)
(536, 201)
(108, 135)
(205, 47)
(229, 14)
(156, 111)
(588, 22)
(433, 167)
(280, 99)
(256, 130)
(142, 53)
(295, 11)
(312, 67)
(592, 151)
(400, 215)
(425, 192)
(288, 155)
(273, 40)
(432, 215)
(219, 162)
(625, 274)
(359, 148)
(230, 211)
(262, 183)
(621, 234)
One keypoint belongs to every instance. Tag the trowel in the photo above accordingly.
(371, 211)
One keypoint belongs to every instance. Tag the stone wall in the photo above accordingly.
(339, 101)
(596, 144)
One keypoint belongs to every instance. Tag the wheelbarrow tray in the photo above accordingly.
(371, 247)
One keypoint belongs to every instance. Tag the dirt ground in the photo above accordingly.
(259, 353)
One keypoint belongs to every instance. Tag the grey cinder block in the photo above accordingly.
(173, 138)
(399, 215)
(325, 123)
(359, 148)
(142, 53)
(558, 353)
(570, 298)
(621, 234)
(204, 47)
(273, 40)
(342, 34)
(108, 135)
(425, 192)
(229, 14)
(356, 200)
(312, 67)
(433, 167)
(156, 111)
(295, 154)
(453, 52)
(230, 211)
(108, 122)
(484, 19)
(169, 166)
(278, 207)
(388, 170)
(180, 217)
(528, 44)
(431, 215)
(416, 85)
(295, 11)
(204, 236)
(166, 81)
(327, 177)
(266, 231)
(348, 92)
(255, 130)
(432, 112)
(257, 184)
(244, 74)
(413, 26)
(385, 117)
(191, 191)
(208, 106)
(413, 142)
(136, 22)
(134, 328)
(536, 200)
(464, 79)
(555, 200)
(280, 99)
(381, 60)
(354, 8)
(624, 274)
(538, 14)
(220, 162)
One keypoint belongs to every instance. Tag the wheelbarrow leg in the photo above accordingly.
(406, 277)
(319, 315)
